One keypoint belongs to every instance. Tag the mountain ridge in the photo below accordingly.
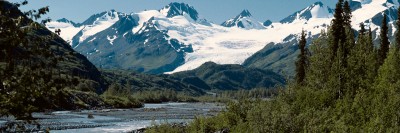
(204, 41)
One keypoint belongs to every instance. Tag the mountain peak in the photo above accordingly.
(245, 13)
(243, 20)
(175, 9)
(318, 3)
(103, 16)
(316, 10)
(64, 20)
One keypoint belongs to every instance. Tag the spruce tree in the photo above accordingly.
(337, 29)
(398, 33)
(347, 13)
(370, 40)
(362, 29)
(384, 45)
(389, 72)
(348, 44)
(317, 74)
(349, 39)
(302, 59)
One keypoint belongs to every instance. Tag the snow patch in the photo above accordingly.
(111, 39)
(124, 34)
(92, 39)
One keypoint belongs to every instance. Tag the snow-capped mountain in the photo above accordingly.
(175, 38)
(76, 33)
(64, 20)
(316, 10)
(178, 9)
(243, 20)
(69, 29)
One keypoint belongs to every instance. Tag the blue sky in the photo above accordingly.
(214, 10)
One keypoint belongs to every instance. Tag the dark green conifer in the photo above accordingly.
(337, 29)
(384, 45)
(398, 33)
(302, 59)
(347, 13)
(362, 29)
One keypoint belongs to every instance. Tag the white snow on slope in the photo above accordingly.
(251, 23)
(368, 11)
(100, 24)
(244, 20)
(143, 17)
(320, 12)
(68, 31)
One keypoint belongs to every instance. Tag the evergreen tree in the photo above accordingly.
(319, 65)
(384, 45)
(347, 13)
(349, 40)
(361, 67)
(302, 59)
(348, 45)
(398, 33)
(370, 40)
(389, 72)
(362, 29)
(337, 29)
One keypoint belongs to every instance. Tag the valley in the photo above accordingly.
(319, 69)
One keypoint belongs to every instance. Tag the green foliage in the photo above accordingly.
(159, 96)
(27, 73)
(229, 77)
(120, 97)
(166, 128)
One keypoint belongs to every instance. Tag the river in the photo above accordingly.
(123, 120)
